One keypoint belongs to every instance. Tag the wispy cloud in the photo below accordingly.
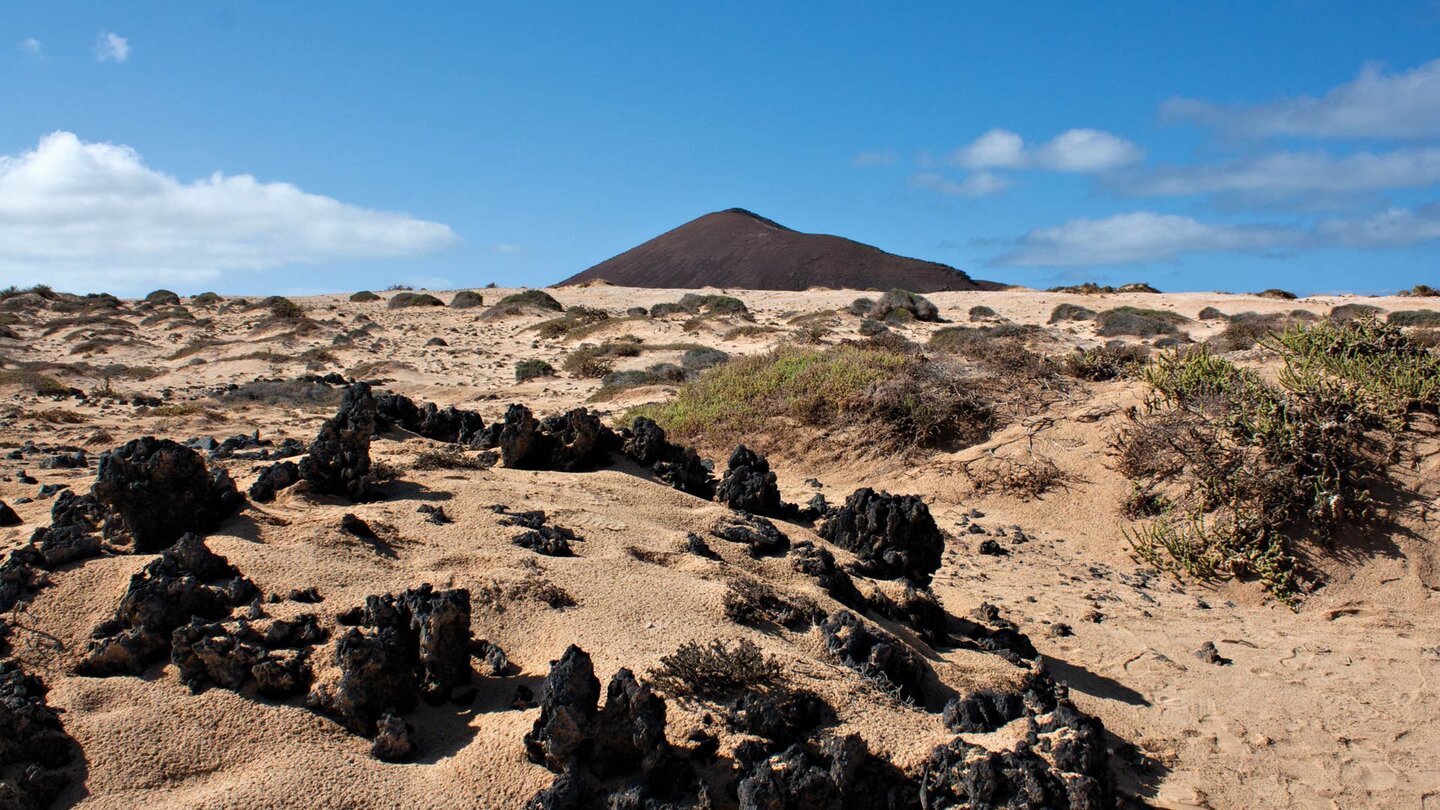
(1375, 104)
(879, 157)
(111, 47)
(91, 214)
(1397, 227)
(1084, 151)
(30, 46)
(1141, 236)
(979, 184)
(1291, 173)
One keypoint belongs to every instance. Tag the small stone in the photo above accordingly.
(393, 742)
(1061, 630)
(1210, 655)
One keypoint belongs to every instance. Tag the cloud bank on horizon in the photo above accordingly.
(1375, 107)
(94, 215)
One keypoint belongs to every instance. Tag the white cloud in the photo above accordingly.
(979, 184)
(1082, 151)
(996, 149)
(1087, 151)
(1397, 227)
(881, 157)
(1141, 236)
(93, 214)
(1374, 105)
(111, 47)
(1283, 173)
(31, 46)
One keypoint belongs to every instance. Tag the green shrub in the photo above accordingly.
(530, 369)
(575, 318)
(902, 399)
(532, 298)
(1283, 295)
(284, 308)
(467, 299)
(668, 308)
(1348, 312)
(901, 306)
(696, 360)
(1256, 464)
(871, 327)
(1137, 322)
(1071, 312)
(205, 299)
(980, 313)
(364, 297)
(403, 300)
(162, 297)
(1211, 314)
(40, 384)
(1415, 317)
(717, 304)
(1421, 291)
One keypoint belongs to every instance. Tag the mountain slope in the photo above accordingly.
(737, 248)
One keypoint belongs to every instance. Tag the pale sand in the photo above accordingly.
(1332, 705)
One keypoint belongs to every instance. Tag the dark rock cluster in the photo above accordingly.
(36, 753)
(570, 442)
(272, 479)
(540, 536)
(187, 581)
(892, 535)
(339, 459)
(748, 484)
(676, 466)
(274, 652)
(71, 535)
(158, 489)
(879, 657)
(450, 424)
(836, 772)
(411, 646)
(611, 756)
(760, 537)
(1062, 763)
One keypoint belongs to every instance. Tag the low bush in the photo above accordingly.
(902, 305)
(530, 369)
(900, 400)
(36, 383)
(532, 298)
(1421, 291)
(453, 458)
(1283, 295)
(1071, 312)
(575, 317)
(718, 304)
(1211, 314)
(1251, 466)
(402, 300)
(1415, 317)
(363, 297)
(1108, 362)
(288, 393)
(284, 308)
(467, 299)
(205, 299)
(980, 313)
(162, 297)
(716, 670)
(1349, 312)
(1138, 322)
(696, 360)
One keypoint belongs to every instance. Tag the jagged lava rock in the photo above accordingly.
(161, 489)
(893, 535)
(339, 459)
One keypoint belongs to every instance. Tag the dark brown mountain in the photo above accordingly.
(739, 249)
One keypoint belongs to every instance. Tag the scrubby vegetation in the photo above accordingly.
(716, 669)
(1345, 312)
(402, 300)
(1246, 468)
(1421, 291)
(1211, 314)
(40, 384)
(532, 298)
(289, 393)
(900, 400)
(530, 369)
(1091, 288)
(1138, 322)
(363, 297)
(575, 318)
(1415, 317)
(1108, 362)
(1071, 312)
(1283, 295)
(467, 299)
(284, 308)
(900, 306)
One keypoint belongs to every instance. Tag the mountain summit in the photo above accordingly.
(740, 249)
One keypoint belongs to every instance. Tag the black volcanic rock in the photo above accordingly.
(736, 248)
(339, 460)
(162, 489)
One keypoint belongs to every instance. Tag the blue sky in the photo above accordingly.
(302, 147)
